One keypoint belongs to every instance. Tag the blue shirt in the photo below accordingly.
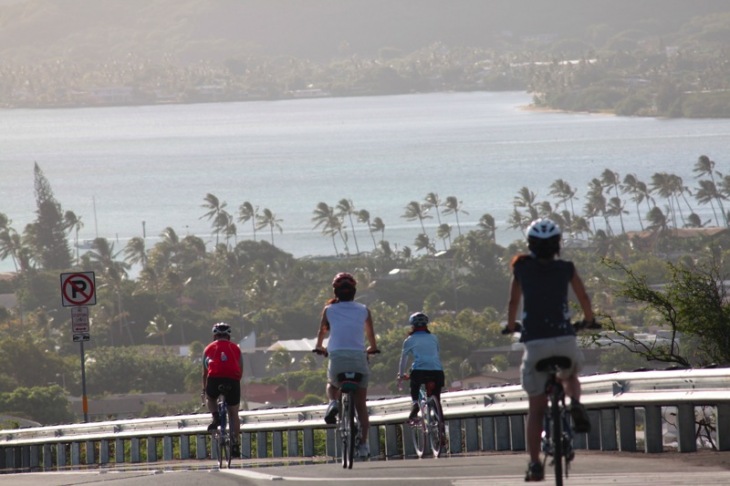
(424, 348)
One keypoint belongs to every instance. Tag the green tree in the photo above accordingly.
(417, 211)
(47, 405)
(453, 206)
(47, 234)
(267, 219)
(345, 208)
(247, 212)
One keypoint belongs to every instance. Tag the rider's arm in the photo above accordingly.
(403, 359)
(205, 374)
(324, 327)
(515, 295)
(370, 332)
(582, 296)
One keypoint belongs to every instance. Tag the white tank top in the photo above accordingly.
(347, 326)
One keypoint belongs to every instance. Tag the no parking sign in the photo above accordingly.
(78, 289)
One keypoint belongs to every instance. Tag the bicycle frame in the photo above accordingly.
(222, 436)
(348, 425)
(429, 424)
(557, 434)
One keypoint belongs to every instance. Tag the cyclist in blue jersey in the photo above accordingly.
(423, 348)
(541, 280)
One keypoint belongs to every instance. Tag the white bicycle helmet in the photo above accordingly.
(221, 329)
(418, 319)
(543, 229)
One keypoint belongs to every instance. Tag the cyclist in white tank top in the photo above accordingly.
(348, 323)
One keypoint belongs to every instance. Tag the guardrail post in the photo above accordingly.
(455, 436)
(374, 441)
(407, 433)
(104, 451)
(201, 447)
(308, 442)
(472, 434)
(517, 432)
(487, 436)
(3, 457)
(60, 455)
(75, 454)
(90, 453)
(331, 442)
(627, 428)
(246, 439)
(277, 443)
(167, 448)
(608, 430)
(119, 450)
(723, 426)
(151, 449)
(502, 433)
(135, 453)
(184, 447)
(34, 457)
(391, 441)
(594, 436)
(47, 457)
(261, 445)
(686, 428)
(292, 443)
(653, 437)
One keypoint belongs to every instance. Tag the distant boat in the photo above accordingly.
(85, 245)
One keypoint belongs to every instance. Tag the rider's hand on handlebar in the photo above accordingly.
(372, 350)
(584, 324)
(322, 351)
(516, 327)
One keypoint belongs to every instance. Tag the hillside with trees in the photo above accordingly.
(649, 58)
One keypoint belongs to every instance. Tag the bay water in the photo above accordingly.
(129, 170)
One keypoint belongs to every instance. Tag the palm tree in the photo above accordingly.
(247, 212)
(434, 202)
(363, 216)
(378, 225)
(71, 222)
(662, 184)
(565, 193)
(422, 242)
(596, 204)
(679, 189)
(639, 193)
(488, 225)
(134, 251)
(525, 198)
(10, 242)
(706, 167)
(657, 220)
(517, 220)
(324, 216)
(158, 327)
(214, 207)
(610, 180)
(707, 193)
(453, 205)
(416, 211)
(346, 208)
(444, 232)
(269, 219)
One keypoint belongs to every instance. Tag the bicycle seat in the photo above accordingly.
(349, 380)
(554, 363)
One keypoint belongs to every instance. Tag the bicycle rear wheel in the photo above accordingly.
(557, 440)
(436, 430)
(218, 445)
(347, 430)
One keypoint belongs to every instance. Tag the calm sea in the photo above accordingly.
(152, 166)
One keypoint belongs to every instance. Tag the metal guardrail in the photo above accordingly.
(485, 419)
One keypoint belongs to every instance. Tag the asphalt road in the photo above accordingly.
(590, 468)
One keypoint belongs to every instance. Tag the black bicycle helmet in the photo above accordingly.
(221, 329)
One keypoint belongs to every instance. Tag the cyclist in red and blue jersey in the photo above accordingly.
(223, 365)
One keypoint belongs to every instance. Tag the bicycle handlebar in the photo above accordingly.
(577, 326)
(325, 353)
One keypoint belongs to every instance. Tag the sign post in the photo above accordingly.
(78, 290)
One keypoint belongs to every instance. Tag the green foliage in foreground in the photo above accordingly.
(44, 404)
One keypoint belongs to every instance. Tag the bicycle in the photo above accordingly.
(221, 435)
(429, 423)
(557, 432)
(348, 425)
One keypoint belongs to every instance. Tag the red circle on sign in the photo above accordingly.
(68, 284)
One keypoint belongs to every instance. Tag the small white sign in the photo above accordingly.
(82, 337)
(79, 320)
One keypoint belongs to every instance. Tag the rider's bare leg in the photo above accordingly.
(538, 405)
(361, 396)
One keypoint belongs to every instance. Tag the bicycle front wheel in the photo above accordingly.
(436, 427)
(418, 435)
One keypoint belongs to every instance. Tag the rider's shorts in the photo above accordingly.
(533, 381)
(348, 360)
(233, 397)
